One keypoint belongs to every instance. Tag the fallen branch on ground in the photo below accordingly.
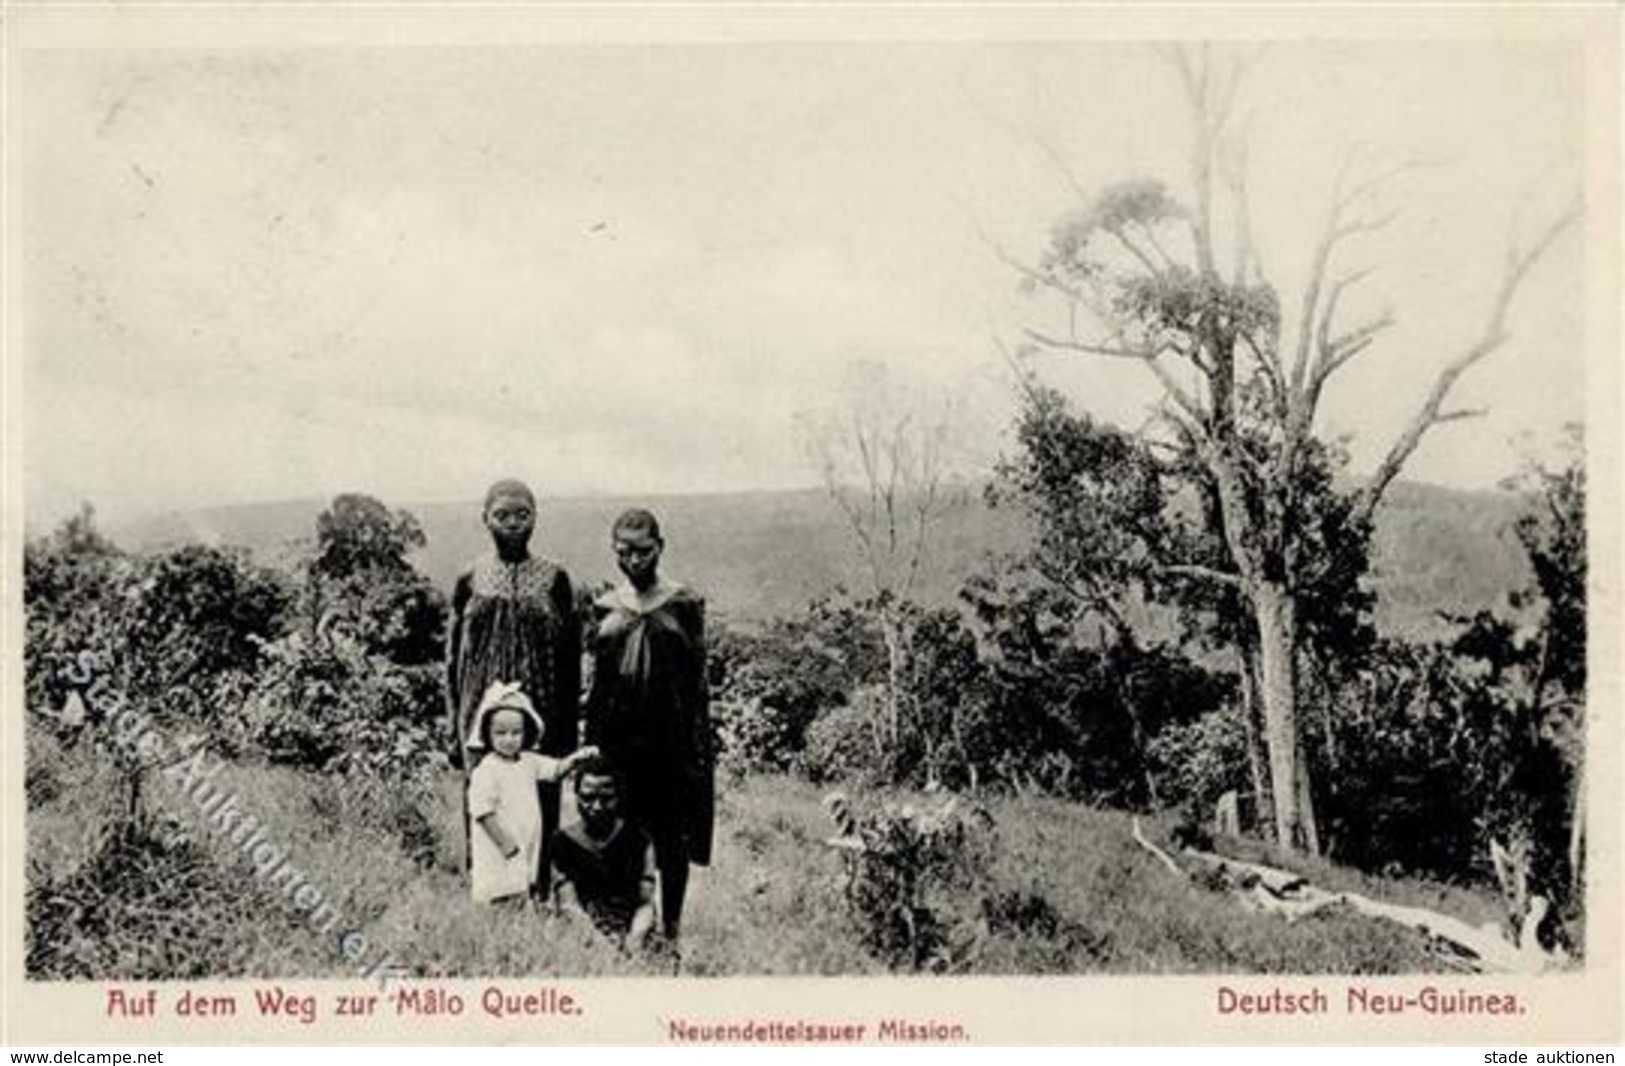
(1477, 948)
(1139, 838)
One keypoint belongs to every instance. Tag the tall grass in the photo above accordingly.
(1068, 891)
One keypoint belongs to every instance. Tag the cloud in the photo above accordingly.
(629, 269)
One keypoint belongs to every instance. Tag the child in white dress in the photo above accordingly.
(503, 805)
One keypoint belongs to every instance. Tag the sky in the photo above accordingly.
(264, 275)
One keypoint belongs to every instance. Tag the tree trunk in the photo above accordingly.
(891, 633)
(1257, 753)
(1276, 614)
(1119, 658)
(1142, 752)
(1306, 803)
(1312, 699)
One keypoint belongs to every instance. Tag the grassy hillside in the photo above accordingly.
(1064, 890)
(764, 553)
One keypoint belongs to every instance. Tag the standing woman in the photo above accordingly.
(514, 620)
(648, 708)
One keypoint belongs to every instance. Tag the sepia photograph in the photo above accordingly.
(737, 508)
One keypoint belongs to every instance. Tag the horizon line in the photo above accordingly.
(32, 528)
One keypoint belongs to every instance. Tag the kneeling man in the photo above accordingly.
(604, 865)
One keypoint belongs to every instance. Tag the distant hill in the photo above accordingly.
(1448, 551)
(757, 554)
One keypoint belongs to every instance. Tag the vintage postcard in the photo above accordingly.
(890, 525)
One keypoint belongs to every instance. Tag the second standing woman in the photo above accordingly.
(648, 708)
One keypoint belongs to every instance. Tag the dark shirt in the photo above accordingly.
(610, 877)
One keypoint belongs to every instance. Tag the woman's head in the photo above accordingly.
(510, 515)
(635, 537)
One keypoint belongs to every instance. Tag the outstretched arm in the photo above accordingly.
(554, 770)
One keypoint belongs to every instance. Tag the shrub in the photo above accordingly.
(770, 685)
(914, 880)
(395, 613)
(196, 615)
(328, 705)
(1067, 702)
(1437, 749)
(1197, 762)
(75, 584)
(754, 736)
(841, 744)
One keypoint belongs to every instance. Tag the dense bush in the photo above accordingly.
(195, 629)
(1067, 705)
(332, 667)
(842, 743)
(169, 632)
(769, 685)
(359, 581)
(754, 736)
(396, 614)
(330, 705)
(1022, 691)
(1438, 751)
(915, 880)
(1197, 762)
(75, 584)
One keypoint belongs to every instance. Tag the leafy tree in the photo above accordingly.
(73, 591)
(1063, 707)
(197, 615)
(1177, 287)
(360, 580)
(1445, 747)
(1553, 535)
(1127, 536)
(1105, 532)
(177, 636)
(358, 534)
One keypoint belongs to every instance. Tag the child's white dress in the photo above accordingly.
(507, 788)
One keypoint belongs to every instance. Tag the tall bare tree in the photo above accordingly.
(883, 460)
(1178, 288)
